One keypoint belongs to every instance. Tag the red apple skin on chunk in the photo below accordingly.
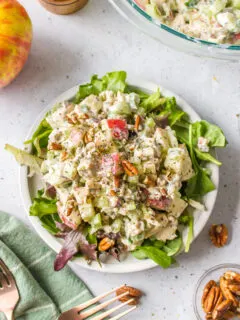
(141, 3)
(118, 128)
(159, 204)
(112, 163)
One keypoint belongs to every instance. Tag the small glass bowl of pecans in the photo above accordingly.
(217, 294)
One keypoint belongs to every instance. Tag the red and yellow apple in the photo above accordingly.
(15, 39)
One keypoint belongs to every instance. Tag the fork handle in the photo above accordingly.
(9, 314)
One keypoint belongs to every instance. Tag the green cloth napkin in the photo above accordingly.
(44, 293)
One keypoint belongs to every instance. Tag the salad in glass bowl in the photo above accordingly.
(215, 21)
(123, 170)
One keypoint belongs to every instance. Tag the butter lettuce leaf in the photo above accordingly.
(211, 132)
(115, 81)
(157, 255)
(40, 137)
(26, 159)
(43, 205)
(152, 102)
(172, 247)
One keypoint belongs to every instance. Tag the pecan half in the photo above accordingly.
(223, 307)
(229, 315)
(231, 275)
(220, 299)
(227, 293)
(116, 181)
(149, 182)
(83, 116)
(64, 156)
(129, 168)
(112, 193)
(133, 293)
(234, 288)
(87, 137)
(218, 235)
(72, 119)
(106, 244)
(55, 146)
(137, 122)
(207, 289)
(210, 300)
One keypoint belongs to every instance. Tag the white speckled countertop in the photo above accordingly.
(67, 50)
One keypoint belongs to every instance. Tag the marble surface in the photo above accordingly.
(66, 51)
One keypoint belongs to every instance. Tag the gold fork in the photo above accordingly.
(8, 291)
(76, 314)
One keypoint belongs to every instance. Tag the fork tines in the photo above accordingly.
(6, 278)
(85, 314)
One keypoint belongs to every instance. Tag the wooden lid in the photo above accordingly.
(63, 6)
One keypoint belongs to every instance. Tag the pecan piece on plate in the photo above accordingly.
(133, 293)
(106, 244)
(211, 299)
(231, 275)
(229, 315)
(234, 288)
(227, 293)
(129, 168)
(137, 122)
(206, 290)
(222, 308)
(218, 235)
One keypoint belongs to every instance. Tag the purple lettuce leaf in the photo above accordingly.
(75, 242)
(50, 191)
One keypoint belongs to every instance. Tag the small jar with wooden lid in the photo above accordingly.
(63, 6)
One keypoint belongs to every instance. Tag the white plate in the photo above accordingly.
(29, 187)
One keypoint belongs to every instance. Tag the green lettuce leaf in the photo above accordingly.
(26, 159)
(184, 219)
(191, 3)
(204, 129)
(43, 205)
(209, 131)
(152, 102)
(200, 183)
(95, 86)
(40, 137)
(206, 156)
(172, 247)
(142, 94)
(190, 233)
(157, 255)
(48, 222)
(45, 209)
(115, 81)
(173, 112)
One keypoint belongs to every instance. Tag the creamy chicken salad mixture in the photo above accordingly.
(121, 169)
(211, 20)
(101, 165)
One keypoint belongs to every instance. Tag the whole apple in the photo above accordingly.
(15, 39)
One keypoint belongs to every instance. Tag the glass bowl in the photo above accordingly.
(172, 38)
(212, 274)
